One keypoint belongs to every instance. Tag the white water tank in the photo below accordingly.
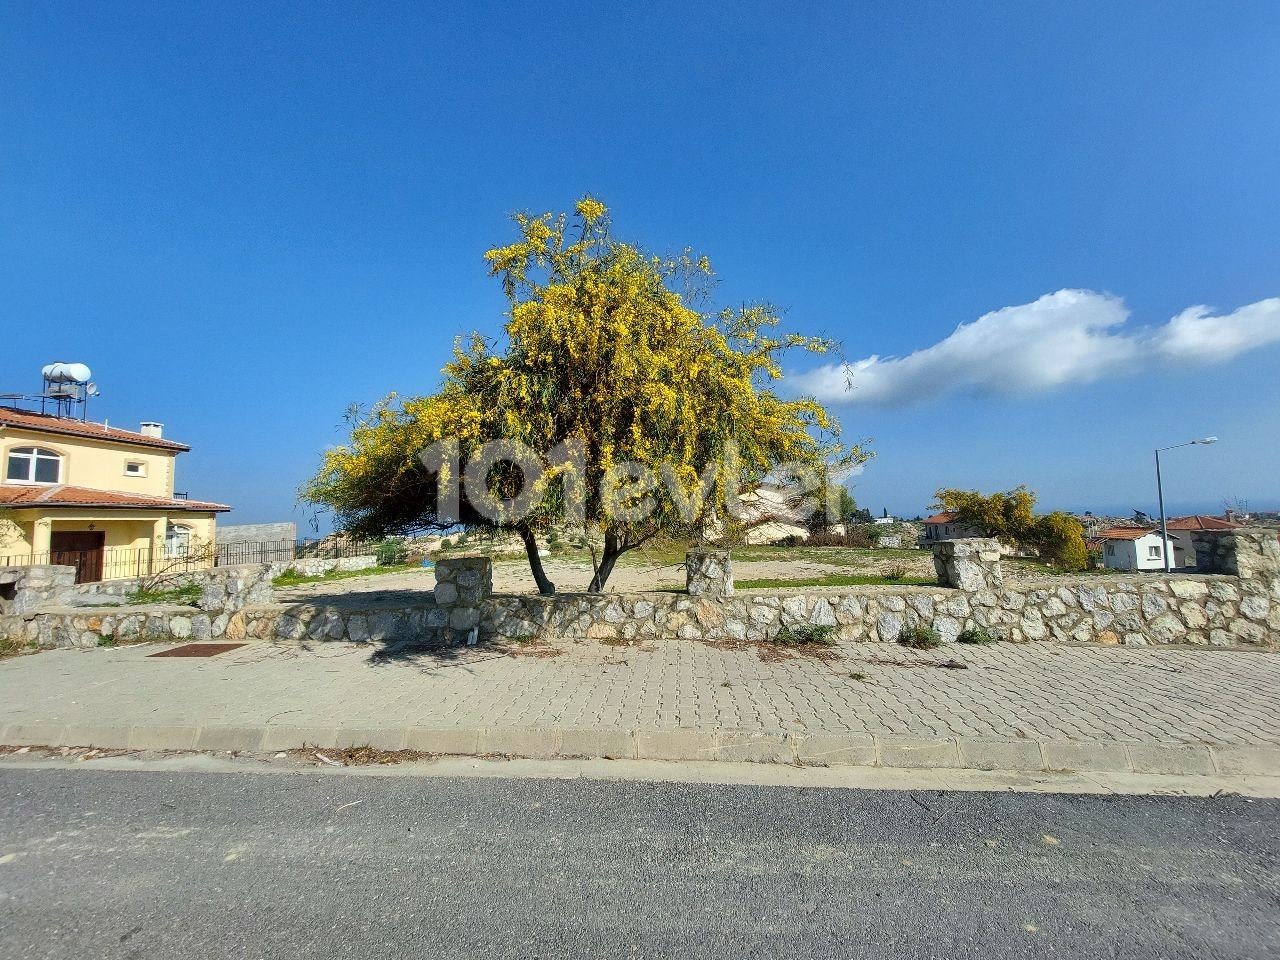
(66, 373)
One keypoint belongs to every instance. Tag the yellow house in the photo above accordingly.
(97, 498)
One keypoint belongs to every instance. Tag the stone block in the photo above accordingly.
(977, 754)
(1191, 759)
(1239, 760)
(918, 752)
(520, 741)
(1085, 755)
(443, 740)
(820, 749)
(680, 744)
(753, 746)
(611, 744)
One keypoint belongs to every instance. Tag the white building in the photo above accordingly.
(1131, 548)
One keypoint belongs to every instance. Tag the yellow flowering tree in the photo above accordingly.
(668, 405)
(1011, 517)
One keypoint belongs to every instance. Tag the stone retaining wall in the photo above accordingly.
(1219, 609)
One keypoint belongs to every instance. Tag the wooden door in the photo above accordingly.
(82, 549)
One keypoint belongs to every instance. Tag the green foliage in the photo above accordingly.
(920, 638)
(806, 635)
(1060, 538)
(609, 349)
(392, 553)
(1010, 516)
(107, 640)
(187, 595)
(977, 635)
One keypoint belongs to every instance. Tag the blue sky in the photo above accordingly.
(245, 217)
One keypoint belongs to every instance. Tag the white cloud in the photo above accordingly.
(1068, 337)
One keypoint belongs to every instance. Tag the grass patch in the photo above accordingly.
(187, 596)
(15, 648)
(919, 638)
(837, 580)
(292, 578)
(977, 635)
(806, 636)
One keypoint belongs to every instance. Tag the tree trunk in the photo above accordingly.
(545, 586)
(613, 549)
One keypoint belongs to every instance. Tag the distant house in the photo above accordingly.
(946, 526)
(1130, 548)
(1180, 530)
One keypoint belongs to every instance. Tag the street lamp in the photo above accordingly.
(1164, 525)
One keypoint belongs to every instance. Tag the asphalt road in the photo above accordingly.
(116, 864)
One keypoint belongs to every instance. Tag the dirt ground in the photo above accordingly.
(638, 574)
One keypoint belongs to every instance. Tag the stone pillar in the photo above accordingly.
(1250, 553)
(971, 564)
(708, 573)
(462, 585)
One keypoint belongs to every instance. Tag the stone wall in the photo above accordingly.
(1218, 609)
(23, 589)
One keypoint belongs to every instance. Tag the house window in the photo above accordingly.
(177, 540)
(33, 465)
(1153, 553)
(135, 468)
(1111, 549)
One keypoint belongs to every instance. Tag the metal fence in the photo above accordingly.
(124, 563)
(230, 554)
(113, 563)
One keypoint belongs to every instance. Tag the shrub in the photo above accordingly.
(896, 572)
(186, 595)
(788, 541)
(920, 638)
(392, 553)
(806, 636)
(978, 635)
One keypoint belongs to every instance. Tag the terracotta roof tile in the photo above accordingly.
(946, 516)
(1201, 523)
(1123, 533)
(69, 426)
(62, 495)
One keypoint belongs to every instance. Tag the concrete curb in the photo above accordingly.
(816, 749)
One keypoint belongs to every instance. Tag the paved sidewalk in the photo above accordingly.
(1016, 707)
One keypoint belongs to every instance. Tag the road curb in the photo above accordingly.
(805, 749)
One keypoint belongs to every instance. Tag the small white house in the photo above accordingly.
(1131, 548)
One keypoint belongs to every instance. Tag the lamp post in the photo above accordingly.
(1164, 524)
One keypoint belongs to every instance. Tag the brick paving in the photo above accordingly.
(1010, 692)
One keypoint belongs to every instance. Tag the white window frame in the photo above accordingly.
(1154, 552)
(33, 455)
(171, 540)
(140, 464)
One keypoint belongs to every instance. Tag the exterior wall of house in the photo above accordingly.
(99, 464)
(132, 537)
(1184, 551)
(1133, 554)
